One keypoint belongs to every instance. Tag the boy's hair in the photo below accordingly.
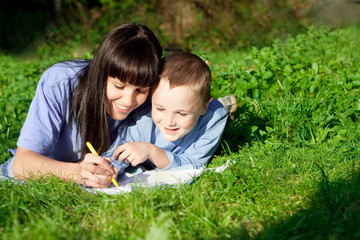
(131, 53)
(187, 69)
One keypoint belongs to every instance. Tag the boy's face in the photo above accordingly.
(175, 111)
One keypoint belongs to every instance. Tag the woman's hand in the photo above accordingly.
(95, 171)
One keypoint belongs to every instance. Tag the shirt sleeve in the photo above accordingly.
(46, 117)
(138, 128)
(197, 147)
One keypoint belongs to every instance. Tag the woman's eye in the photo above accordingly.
(119, 87)
(160, 109)
(142, 90)
(182, 114)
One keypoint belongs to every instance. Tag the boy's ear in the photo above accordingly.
(205, 106)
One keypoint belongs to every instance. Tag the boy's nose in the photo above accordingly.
(169, 120)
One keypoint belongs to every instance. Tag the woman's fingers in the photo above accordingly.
(101, 161)
(89, 183)
(94, 180)
(98, 165)
(116, 170)
(96, 171)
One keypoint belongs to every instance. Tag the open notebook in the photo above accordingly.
(155, 178)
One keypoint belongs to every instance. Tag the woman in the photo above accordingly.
(80, 101)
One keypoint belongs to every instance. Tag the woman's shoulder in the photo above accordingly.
(71, 65)
(63, 72)
(143, 112)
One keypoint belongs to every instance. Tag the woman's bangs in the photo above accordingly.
(137, 66)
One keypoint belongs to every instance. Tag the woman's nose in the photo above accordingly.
(129, 98)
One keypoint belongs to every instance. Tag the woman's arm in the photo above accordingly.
(93, 171)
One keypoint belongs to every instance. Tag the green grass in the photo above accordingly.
(294, 140)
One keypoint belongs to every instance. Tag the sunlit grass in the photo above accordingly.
(294, 142)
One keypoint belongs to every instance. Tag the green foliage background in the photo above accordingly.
(79, 25)
(294, 139)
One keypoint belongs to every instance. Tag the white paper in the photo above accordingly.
(155, 178)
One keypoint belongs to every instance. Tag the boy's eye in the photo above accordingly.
(159, 109)
(182, 113)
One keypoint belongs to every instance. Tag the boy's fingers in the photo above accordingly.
(134, 162)
(118, 150)
(124, 155)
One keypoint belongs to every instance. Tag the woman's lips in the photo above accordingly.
(121, 109)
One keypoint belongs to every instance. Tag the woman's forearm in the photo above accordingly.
(28, 163)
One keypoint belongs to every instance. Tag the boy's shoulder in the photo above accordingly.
(215, 108)
(215, 114)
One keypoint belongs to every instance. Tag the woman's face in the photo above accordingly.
(122, 98)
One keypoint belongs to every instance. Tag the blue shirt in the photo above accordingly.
(46, 129)
(195, 148)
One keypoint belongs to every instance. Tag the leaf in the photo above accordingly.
(315, 67)
(254, 128)
(160, 227)
(266, 75)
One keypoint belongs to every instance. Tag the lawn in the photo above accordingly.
(294, 141)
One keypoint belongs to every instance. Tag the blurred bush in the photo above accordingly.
(179, 24)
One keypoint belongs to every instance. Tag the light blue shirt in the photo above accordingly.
(46, 129)
(195, 148)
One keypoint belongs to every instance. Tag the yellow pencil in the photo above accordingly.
(92, 150)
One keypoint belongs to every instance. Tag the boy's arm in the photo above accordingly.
(196, 147)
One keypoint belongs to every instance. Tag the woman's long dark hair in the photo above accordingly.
(131, 53)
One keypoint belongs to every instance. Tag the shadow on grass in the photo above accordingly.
(334, 213)
(243, 129)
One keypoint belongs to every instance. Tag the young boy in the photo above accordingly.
(185, 124)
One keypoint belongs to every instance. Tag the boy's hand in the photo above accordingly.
(133, 153)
